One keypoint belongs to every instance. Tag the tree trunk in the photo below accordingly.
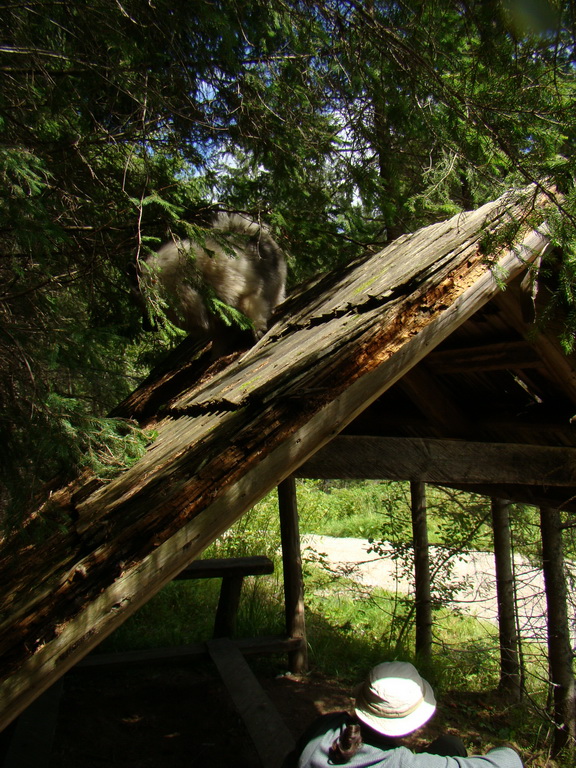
(421, 571)
(510, 670)
(559, 647)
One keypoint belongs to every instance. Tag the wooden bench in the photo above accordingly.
(269, 733)
(232, 571)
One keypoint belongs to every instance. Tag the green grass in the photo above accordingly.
(183, 612)
(381, 510)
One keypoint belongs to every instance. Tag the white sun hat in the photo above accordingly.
(394, 699)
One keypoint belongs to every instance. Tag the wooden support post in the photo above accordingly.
(559, 646)
(293, 580)
(228, 604)
(421, 571)
(510, 668)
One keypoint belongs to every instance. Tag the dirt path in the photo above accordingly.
(473, 574)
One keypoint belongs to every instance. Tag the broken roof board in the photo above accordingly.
(225, 443)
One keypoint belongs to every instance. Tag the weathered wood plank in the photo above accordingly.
(249, 646)
(211, 568)
(271, 737)
(441, 461)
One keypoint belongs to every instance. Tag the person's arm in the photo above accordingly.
(500, 757)
(317, 727)
(503, 757)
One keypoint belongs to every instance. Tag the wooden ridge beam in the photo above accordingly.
(442, 461)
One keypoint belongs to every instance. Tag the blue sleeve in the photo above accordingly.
(501, 757)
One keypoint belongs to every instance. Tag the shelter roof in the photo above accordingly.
(417, 347)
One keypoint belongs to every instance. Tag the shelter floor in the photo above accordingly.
(167, 717)
(182, 716)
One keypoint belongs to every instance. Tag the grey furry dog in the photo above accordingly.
(236, 263)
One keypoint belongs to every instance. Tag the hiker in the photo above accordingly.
(391, 703)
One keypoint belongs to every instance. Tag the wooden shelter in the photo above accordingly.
(420, 362)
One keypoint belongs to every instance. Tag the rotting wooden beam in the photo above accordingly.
(442, 461)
